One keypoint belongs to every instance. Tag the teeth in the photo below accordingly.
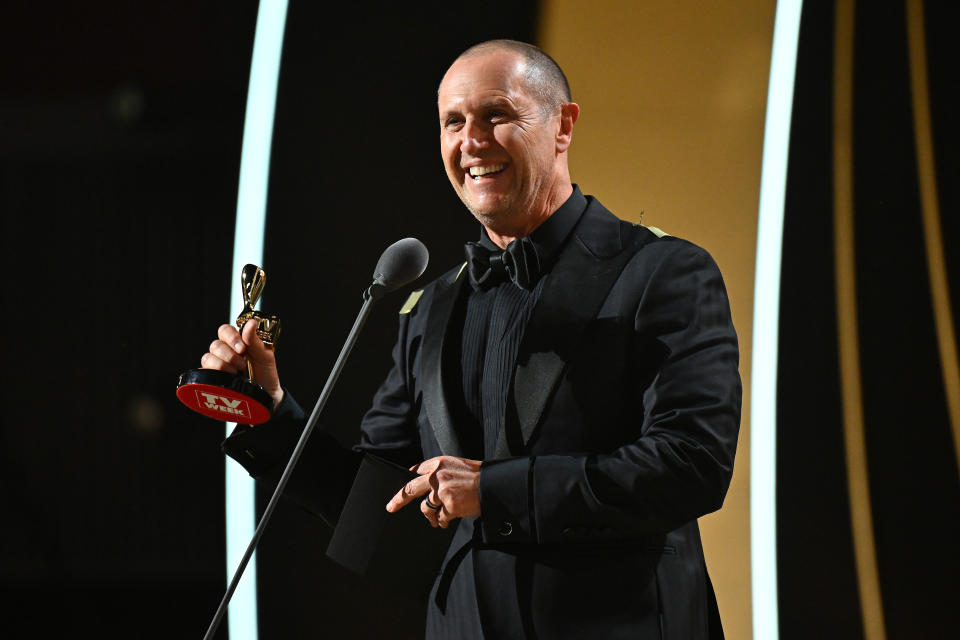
(482, 171)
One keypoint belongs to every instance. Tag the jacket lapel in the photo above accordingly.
(579, 282)
(434, 371)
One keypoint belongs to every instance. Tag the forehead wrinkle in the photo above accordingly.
(488, 102)
(497, 101)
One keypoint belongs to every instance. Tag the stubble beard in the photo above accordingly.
(498, 216)
(492, 218)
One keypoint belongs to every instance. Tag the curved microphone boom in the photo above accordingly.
(401, 263)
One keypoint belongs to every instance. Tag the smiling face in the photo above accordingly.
(504, 152)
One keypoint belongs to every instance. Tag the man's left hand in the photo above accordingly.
(452, 484)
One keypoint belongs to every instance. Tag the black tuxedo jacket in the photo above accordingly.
(620, 432)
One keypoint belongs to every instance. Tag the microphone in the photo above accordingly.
(401, 263)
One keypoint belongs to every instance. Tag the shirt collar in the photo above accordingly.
(550, 236)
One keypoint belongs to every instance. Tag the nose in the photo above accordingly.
(476, 136)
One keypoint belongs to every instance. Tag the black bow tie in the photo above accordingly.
(518, 262)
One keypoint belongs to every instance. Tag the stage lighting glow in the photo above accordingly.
(766, 305)
(248, 248)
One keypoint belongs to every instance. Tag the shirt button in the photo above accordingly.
(506, 529)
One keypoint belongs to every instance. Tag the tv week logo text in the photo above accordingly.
(220, 404)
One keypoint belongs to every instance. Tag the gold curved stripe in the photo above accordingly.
(932, 233)
(871, 604)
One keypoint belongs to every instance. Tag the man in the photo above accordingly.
(571, 404)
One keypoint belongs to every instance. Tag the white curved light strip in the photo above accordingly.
(766, 306)
(248, 248)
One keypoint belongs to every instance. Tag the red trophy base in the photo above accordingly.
(224, 396)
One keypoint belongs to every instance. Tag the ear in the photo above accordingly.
(569, 113)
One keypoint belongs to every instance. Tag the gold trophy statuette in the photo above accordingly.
(253, 279)
(225, 396)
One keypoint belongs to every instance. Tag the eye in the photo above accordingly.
(496, 115)
(453, 123)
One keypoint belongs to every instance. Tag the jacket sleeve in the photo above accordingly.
(324, 474)
(326, 470)
(679, 468)
(389, 427)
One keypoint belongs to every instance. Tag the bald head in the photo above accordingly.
(542, 75)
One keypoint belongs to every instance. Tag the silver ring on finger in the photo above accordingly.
(430, 505)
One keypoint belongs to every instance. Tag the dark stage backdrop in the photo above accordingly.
(858, 336)
(120, 133)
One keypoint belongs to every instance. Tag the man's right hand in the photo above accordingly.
(231, 350)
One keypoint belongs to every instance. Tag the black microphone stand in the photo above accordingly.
(369, 297)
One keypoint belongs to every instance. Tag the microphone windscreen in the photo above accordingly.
(401, 263)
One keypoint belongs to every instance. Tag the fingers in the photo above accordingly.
(229, 335)
(231, 351)
(224, 353)
(437, 517)
(424, 489)
(410, 492)
(444, 518)
(429, 514)
(443, 515)
(264, 360)
(452, 484)
(211, 361)
(258, 351)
